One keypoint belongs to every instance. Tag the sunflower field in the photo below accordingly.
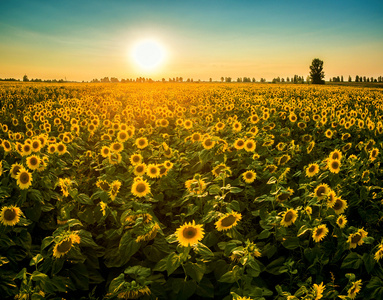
(190, 191)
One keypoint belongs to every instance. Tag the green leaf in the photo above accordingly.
(36, 259)
(204, 251)
(173, 262)
(264, 234)
(138, 271)
(84, 199)
(205, 288)
(235, 190)
(79, 276)
(272, 180)
(195, 270)
(291, 243)
(231, 276)
(161, 265)
(369, 262)
(214, 189)
(234, 205)
(302, 230)
(375, 288)
(352, 260)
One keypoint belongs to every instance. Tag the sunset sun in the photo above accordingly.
(148, 54)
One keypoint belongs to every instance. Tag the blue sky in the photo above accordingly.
(82, 40)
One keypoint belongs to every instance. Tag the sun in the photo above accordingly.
(148, 54)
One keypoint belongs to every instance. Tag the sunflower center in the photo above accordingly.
(35, 145)
(319, 231)
(64, 246)
(189, 232)
(356, 238)
(136, 159)
(141, 142)
(104, 186)
(153, 170)
(141, 187)
(228, 221)
(24, 177)
(283, 197)
(312, 169)
(27, 148)
(9, 214)
(240, 143)
(289, 216)
(338, 205)
(249, 175)
(335, 156)
(321, 191)
(249, 145)
(139, 169)
(335, 164)
(16, 170)
(283, 159)
(123, 135)
(60, 148)
(208, 142)
(33, 161)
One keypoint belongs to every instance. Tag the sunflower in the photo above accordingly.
(219, 126)
(65, 244)
(331, 198)
(249, 176)
(356, 239)
(36, 145)
(136, 159)
(65, 184)
(105, 151)
(328, 133)
(10, 215)
(15, 168)
(116, 147)
(236, 126)
(221, 168)
(289, 217)
(122, 136)
(379, 253)
(270, 168)
(284, 196)
(114, 188)
(320, 232)
(312, 170)
(168, 164)
(239, 144)
(196, 186)
(228, 221)
(335, 155)
(373, 154)
(141, 142)
(33, 162)
(140, 188)
(339, 206)
(103, 184)
(321, 191)
(139, 169)
(250, 145)
(284, 159)
(153, 171)
(333, 166)
(317, 291)
(188, 124)
(114, 158)
(310, 147)
(354, 289)
(61, 148)
(207, 143)
(1, 167)
(26, 149)
(24, 178)
(189, 234)
(196, 137)
(341, 221)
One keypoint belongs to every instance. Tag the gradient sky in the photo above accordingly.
(82, 40)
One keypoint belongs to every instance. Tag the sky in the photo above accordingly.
(83, 40)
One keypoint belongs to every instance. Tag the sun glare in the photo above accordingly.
(148, 54)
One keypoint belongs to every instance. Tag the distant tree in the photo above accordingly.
(349, 78)
(253, 79)
(25, 78)
(114, 79)
(288, 79)
(222, 79)
(356, 78)
(316, 71)
(341, 78)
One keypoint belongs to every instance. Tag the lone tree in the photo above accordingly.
(316, 71)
